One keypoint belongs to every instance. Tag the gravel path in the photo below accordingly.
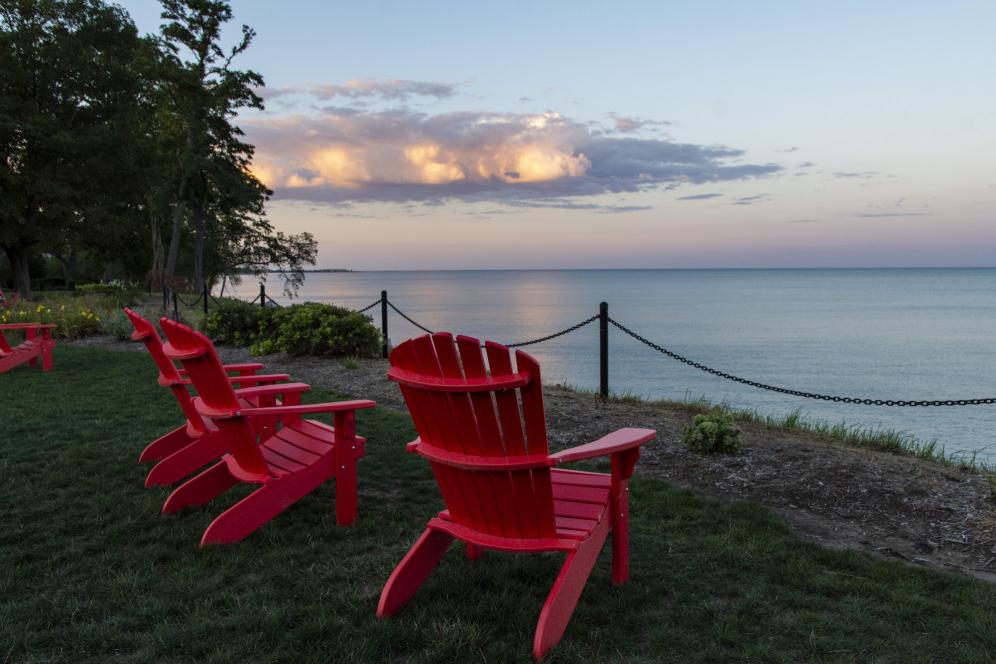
(840, 496)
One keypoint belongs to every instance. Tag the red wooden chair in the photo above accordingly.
(287, 465)
(498, 478)
(33, 348)
(197, 443)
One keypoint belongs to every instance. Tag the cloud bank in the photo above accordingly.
(392, 90)
(347, 154)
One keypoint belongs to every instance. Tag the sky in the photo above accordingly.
(462, 135)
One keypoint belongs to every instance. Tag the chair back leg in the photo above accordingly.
(412, 571)
(563, 598)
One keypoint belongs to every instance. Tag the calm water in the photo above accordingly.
(894, 334)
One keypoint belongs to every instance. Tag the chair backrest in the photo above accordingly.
(483, 429)
(198, 356)
(169, 377)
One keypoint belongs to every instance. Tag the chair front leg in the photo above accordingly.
(622, 469)
(346, 453)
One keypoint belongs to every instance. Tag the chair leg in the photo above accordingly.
(412, 571)
(566, 591)
(200, 489)
(187, 460)
(474, 552)
(166, 444)
(246, 516)
(620, 536)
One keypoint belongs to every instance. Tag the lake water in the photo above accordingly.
(890, 334)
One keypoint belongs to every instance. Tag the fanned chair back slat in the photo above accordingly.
(480, 420)
(146, 332)
(196, 352)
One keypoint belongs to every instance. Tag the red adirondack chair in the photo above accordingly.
(30, 350)
(498, 478)
(287, 465)
(197, 443)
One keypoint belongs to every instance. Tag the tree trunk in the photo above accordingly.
(71, 266)
(156, 272)
(18, 257)
(198, 246)
(174, 242)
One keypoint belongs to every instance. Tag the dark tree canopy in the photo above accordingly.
(122, 152)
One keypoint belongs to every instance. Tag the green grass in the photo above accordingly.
(90, 572)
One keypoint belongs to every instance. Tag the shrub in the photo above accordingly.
(319, 329)
(991, 479)
(122, 292)
(117, 325)
(301, 329)
(72, 320)
(235, 323)
(712, 432)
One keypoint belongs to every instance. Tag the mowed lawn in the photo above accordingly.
(90, 571)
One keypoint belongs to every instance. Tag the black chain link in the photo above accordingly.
(369, 306)
(189, 304)
(555, 334)
(403, 315)
(798, 393)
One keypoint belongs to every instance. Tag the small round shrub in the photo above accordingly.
(235, 323)
(320, 329)
(117, 325)
(712, 433)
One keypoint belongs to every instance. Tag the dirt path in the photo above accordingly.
(839, 496)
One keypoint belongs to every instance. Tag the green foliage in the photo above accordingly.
(117, 325)
(310, 328)
(235, 323)
(73, 319)
(991, 479)
(322, 329)
(712, 432)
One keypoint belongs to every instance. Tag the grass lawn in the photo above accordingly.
(89, 570)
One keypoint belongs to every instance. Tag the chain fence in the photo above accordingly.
(672, 355)
(798, 393)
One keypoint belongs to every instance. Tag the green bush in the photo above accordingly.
(710, 433)
(319, 329)
(235, 323)
(72, 319)
(301, 329)
(991, 479)
(117, 325)
(122, 292)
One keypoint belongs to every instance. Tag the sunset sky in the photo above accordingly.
(717, 134)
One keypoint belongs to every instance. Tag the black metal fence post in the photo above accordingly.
(262, 294)
(383, 320)
(205, 296)
(603, 348)
(176, 308)
(165, 299)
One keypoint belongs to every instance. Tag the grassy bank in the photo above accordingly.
(886, 440)
(89, 571)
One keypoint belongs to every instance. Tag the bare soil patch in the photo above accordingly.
(886, 505)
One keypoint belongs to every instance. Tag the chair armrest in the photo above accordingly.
(242, 369)
(265, 390)
(617, 441)
(308, 408)
(258, 379)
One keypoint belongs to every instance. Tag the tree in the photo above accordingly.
(206, 93)
(66, 78)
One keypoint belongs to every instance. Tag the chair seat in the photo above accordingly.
(579, 501)
(299, 446)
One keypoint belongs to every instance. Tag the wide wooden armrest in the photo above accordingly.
(246, 366)
(259, 378)
(309, 408)
(617, 441)
(265, 390)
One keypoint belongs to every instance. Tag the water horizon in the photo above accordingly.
(883, 333)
